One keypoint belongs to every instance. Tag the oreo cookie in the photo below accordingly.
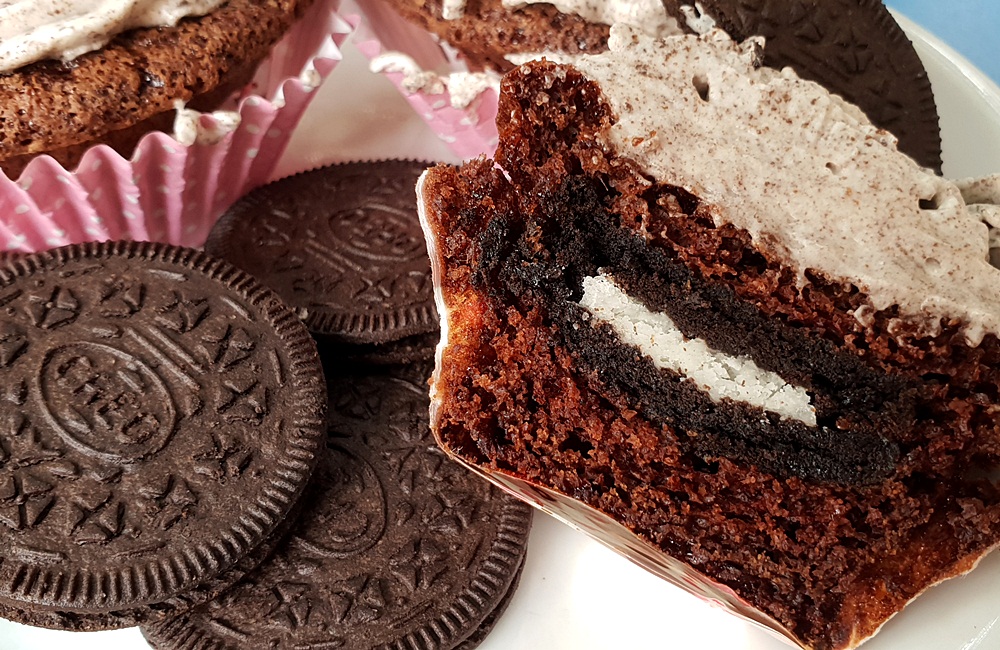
(399, 547)
(852, 47)
(407, 350)
(144, 390)
(342, 245)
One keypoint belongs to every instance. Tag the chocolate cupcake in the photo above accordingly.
(115, 94)
(170, 187)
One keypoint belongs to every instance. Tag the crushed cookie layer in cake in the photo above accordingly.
(828, 526)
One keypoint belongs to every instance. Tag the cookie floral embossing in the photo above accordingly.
(289, 607)
(24, 500)
(121, 298)
(227, 346)
(358, 600)
(242, 400)
(183, 313)
(419, 563)
(223, 457)
(95, 516)
(168, 501)
(30, 471)
(13, 343)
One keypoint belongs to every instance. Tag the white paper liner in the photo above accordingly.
(169, 191)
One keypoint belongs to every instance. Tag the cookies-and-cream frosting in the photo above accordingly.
(34, 30)
(805, 173)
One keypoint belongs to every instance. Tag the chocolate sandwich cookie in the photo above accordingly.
(400, 547)
(408, 350)
(160, 414)
(411, 349)
(342, 245)
(852, 47)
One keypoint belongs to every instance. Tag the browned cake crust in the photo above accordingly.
(825, 543)
(118, 93)
(488, 30)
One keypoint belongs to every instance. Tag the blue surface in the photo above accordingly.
(971, 27)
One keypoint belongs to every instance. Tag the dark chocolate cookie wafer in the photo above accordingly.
(854, 48)
(407, 350)
(399, 546)
(477, 637)
(160, 413)
(341, 244)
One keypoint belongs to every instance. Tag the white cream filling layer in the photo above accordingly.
(719, 374)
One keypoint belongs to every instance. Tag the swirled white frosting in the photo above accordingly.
(463, 87)
(34, 30)
(805, 173)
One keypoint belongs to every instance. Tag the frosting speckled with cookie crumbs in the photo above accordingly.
(708, 119)
(34, 30)
(463, 87)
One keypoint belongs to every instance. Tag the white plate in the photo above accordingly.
(574, 593)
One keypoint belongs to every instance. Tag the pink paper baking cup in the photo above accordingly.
(469, 131)
(169, 191)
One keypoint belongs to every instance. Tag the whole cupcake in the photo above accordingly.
(105, 129)
(75, 73)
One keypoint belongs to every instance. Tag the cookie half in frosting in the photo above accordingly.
(708, 311)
